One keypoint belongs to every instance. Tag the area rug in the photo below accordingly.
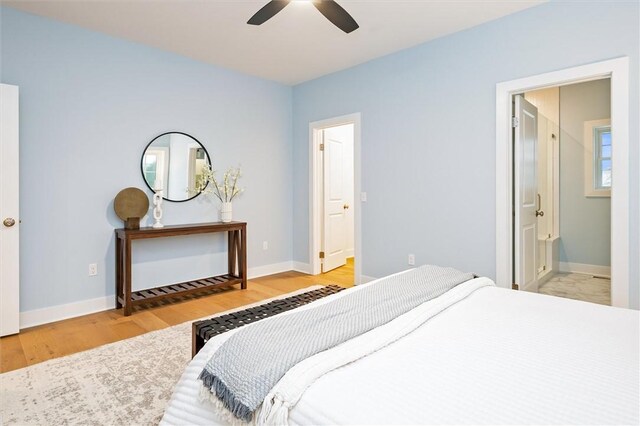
(123, 383)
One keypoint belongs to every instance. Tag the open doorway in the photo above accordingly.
(562, 191)
(334, 225)
(337, 224)
(618, 72)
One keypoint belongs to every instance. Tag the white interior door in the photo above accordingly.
(525, 194)
(9, 229)
(335, 200)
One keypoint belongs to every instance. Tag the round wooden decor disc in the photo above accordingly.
(131, 202)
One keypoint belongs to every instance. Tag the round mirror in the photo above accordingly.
(173, 162)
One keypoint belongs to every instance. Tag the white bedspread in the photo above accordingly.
(496, 357)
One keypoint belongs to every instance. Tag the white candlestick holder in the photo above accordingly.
(157, 209)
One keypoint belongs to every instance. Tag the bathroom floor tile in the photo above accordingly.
(580, 287)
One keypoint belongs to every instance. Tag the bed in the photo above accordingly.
(493, 356)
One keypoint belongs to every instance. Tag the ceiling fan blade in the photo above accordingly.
(337, 15)
(268, 11)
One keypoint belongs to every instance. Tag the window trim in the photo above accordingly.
(591, 154)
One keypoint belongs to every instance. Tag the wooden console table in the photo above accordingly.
(237, 262)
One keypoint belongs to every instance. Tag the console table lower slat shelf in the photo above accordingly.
(175, 290)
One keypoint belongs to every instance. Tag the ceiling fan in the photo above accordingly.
(329, 8)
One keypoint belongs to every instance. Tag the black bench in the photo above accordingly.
(203, 330)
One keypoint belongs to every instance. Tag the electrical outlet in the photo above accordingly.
(363, 196)
(265, 245)
(412, 259)
(93, 269)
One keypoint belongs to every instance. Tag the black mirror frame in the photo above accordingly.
(142, 164)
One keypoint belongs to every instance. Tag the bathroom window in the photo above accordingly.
(602, 157)
(597, 158)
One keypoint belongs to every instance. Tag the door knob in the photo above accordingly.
(346, 206)
(9, 222)
(539, 211)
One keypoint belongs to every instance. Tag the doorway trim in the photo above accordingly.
(618, 71)
(315, 191)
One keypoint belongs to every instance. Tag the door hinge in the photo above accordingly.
(321, 255)
(322, 147)
(514, 122)
(515, 286)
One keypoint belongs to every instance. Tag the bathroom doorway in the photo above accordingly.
(562, 191)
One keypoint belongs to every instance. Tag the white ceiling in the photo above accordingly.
(297, 45)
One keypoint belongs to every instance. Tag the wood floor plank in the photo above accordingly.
(11, 353)
(41, 343)
(149, 321)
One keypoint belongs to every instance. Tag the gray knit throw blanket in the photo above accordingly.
(248, 365)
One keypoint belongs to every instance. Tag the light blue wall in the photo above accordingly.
(428, 131)
(585, 222)
(89, 104)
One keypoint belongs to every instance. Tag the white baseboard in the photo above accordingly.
(530, 287)
(365, 279)
(70, 310)
(581, 268)
(305, 268)
(544, 278)
(85, 307)
(275, 268)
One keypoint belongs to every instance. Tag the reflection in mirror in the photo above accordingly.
(173, 162)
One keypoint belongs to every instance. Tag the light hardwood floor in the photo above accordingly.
(38, 344)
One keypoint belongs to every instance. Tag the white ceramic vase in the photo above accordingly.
(225, 212)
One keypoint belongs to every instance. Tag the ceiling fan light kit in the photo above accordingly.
(329, 8)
